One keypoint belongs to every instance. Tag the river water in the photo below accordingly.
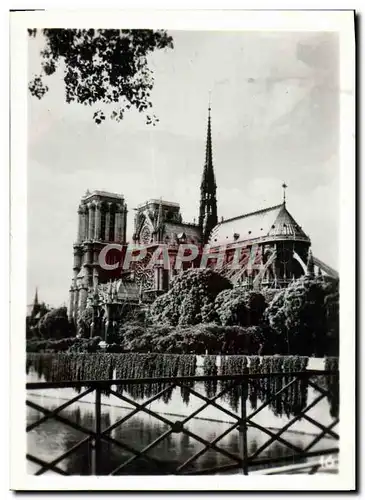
(51, 438)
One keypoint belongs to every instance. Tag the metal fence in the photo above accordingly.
(242, 462)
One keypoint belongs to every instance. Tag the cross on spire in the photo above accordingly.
(284, 186)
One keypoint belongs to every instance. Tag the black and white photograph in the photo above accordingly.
(183, 218)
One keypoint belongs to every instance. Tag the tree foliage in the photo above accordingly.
(54, 324)
(31, 322)
(102, 67)
(240, 307)
(84, 321)
(300, 317)
(197, 339)
(243, 340)
(332, 311)
(190, 300)
(332, 385)
(70, 344)
(76, 366)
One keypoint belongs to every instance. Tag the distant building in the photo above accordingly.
(35, 312)
(34, 309)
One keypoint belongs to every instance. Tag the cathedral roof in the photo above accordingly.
(158, 202)
(270, 223)
(102, 194)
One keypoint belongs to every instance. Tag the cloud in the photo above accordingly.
(319, 51)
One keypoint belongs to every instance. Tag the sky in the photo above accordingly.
(275, 118)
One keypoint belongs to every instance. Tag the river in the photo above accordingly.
(52, 438)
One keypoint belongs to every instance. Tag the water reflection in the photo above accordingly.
(51, 439)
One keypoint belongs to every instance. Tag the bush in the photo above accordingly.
(50, 345)
(72, 344)
(86, 345)
(199, 339)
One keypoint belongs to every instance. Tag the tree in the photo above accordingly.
(299, 316)
(102, 67)
(84, 321)
(54, 324)
(332, 310)
(190, 300)
(240, 307)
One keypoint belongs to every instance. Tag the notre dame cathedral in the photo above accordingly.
(282, 248)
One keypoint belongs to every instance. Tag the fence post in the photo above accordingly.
(96, 443)
(243, 426)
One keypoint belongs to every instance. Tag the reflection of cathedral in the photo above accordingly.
(272, 247)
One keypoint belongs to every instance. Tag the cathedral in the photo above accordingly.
(272, 247)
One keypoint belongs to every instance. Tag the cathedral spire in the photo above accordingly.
(36, 306)
(208, 201)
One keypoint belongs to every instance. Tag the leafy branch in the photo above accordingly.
(102, 67)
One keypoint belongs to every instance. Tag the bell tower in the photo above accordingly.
(102, 219)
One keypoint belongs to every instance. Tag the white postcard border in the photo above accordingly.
(340, 21)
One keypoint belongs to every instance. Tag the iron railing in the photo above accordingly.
(243, 462)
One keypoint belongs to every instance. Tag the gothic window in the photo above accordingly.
(165, 279)
(145, 235)
(112, 223)
(87, 224)
(102, 222)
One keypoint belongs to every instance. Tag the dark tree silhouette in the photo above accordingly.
(54, 324)
(305, 316)
(102, 66)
